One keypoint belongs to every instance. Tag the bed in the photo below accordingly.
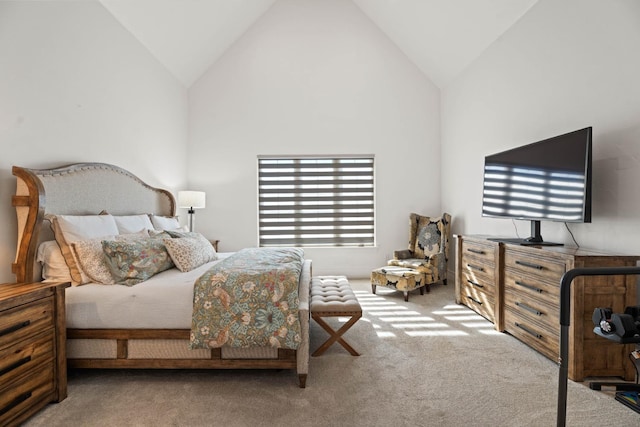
(147, 325)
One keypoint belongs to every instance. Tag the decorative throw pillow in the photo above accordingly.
(133, 262)
(71, 228)
(190, 252)
(91, 257)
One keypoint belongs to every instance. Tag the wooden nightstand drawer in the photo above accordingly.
(25, 356)
(24, 320)
(25, 393)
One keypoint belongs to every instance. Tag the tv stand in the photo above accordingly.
(534, 240)
(523, 242)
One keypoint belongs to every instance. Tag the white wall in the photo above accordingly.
(565, 65)
(76, 86)
(314, 77)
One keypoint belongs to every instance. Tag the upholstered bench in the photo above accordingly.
(332, 296)
(398, 278)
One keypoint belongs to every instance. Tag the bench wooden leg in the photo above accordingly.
(336, 336)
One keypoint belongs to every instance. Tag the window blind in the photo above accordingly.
(316, 201)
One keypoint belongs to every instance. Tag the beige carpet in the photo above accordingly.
(428, 362)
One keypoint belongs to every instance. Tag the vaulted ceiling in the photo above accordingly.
(442, 37)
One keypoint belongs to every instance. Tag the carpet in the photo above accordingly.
(426, 362)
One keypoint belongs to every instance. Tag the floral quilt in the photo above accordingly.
(249, 299)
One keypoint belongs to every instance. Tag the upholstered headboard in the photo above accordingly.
(77, 189)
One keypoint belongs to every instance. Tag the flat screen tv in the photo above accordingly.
(548, 180)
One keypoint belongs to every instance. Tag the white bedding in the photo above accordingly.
(165, 301)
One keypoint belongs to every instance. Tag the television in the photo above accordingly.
(548, 180)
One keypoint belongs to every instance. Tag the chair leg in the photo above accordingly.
(406, 295)
(373, 289)
(444, 282)
(421, 290)
(428, 286)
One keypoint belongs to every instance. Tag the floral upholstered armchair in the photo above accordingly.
(428, 248)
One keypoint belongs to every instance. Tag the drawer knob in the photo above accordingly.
(530, 287)
(15, 327)
(529, 309)
(527, 330)
(529, 264)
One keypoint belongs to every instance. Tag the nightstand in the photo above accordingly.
(33, 369)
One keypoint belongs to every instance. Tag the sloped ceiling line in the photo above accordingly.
(442, 37)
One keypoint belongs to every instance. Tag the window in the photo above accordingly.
(316, 201)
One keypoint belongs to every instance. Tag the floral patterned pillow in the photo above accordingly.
(133, 262)
(190, 251)
(92, 261)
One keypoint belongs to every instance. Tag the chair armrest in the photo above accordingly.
(403, 254)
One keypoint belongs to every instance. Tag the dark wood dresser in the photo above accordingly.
(33, 368)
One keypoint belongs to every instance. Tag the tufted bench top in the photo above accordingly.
(333, 296)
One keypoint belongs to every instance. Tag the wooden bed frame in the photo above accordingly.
(88, 189)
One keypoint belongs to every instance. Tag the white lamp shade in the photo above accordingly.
(191, 199)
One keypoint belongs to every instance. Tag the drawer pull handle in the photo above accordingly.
(474, 300)
(475, 267)
(15, 365)
(15, 402)
(530, 265)
(538, 336)
(529, 309)
(15, 327)
(524, 285)
(476, 251)
(475, 284)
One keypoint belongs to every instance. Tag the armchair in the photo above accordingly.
(423, 263)
(428, 248)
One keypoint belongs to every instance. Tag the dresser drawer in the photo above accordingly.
(532, 287)
(25, 356)
(26, 392)
(480, 302)
(534, 334)
(478, 276)
(543, 267)
(25, 320)
(483, 252)
(532, 309)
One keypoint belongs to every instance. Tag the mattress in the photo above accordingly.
(164, 301)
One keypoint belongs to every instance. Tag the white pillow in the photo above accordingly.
(132, 223)
(165, 222)
(190, 252)
(72, 228)
(54, 267)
